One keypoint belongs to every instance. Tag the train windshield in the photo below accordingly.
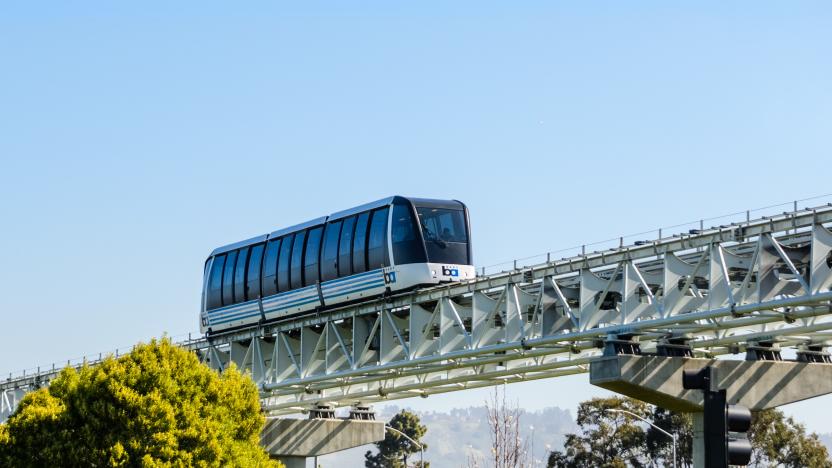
(445, 233)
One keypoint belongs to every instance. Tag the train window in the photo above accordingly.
(406, 245)
(296, 272)
(214, 299)
(228, 278)
(442, 224)
(240, 276)
(311, 256)
(283, 263)
(270, 268)
(345, 246)
(359, 244)
(446, 237)
(377, 241)
(329, 255)
(255, 261)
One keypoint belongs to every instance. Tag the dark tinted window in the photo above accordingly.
(406, 245)
(345, 247)
(270, 268)
(214, 298)
(310, 257)
(296, 273)
(228, 278)
(443, 224)
(255, 260)
(283, 263)
(377, 241)
(329, 256)
(359, 244)
(445, 233)
(240, 276)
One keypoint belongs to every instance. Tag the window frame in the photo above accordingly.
(359, 257)
(443, 250)
(240, 270)
(254, 271)
(377, 233)
(329, 250)
(296, 262)
(345, 249)
(228, 278)
(216, 303)
(284, 266)
(408, 250)
(268, 282)
(312, 255)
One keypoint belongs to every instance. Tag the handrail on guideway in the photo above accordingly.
(697, 224)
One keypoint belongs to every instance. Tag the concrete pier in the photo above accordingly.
(292, 441)
(755, 384)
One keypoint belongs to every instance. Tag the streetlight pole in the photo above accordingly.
(421, 449)
(672, 436)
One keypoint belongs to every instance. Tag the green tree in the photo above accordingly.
(155, 407)
(394, 450)
(660, 446)
(609, 440)
(778, 440)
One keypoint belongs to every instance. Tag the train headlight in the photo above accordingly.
(433, 272)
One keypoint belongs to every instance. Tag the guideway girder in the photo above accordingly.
(757, 385)
(714, 290)
(294, 440)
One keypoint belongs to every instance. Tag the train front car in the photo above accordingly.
(434, 245)
(382, 247)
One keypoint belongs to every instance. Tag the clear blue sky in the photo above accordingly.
(136, 137)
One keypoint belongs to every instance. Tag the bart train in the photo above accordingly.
(388, 245)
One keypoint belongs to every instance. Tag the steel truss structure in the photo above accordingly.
(749, 286)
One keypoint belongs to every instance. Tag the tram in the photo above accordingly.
(378, 248)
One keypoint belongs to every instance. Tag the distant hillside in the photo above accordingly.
(454, 436)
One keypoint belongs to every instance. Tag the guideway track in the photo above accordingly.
(719, 290)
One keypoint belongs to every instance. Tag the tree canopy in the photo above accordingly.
(780, 441)
(613, 440)
(608, 440)
(394, 450)
(155, 407)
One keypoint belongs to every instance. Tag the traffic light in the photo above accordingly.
(737, 422)
(725, 425)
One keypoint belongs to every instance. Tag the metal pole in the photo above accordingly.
(421, 449)
(672, 436)
(674, 450)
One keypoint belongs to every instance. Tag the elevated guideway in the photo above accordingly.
(745, 286)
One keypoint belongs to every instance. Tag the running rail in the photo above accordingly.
(763, 283)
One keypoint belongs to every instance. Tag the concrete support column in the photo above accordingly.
(293, 462)
(698, 440)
